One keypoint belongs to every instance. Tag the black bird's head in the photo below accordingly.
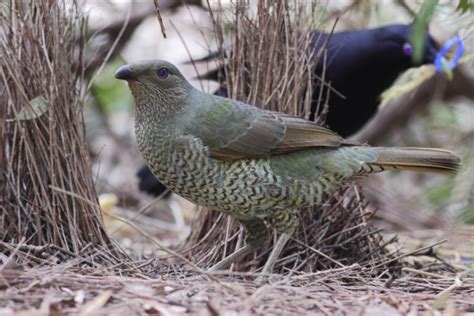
(361, 65)
(396, 39)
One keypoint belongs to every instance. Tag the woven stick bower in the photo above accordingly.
(47, 190)
(270, 66)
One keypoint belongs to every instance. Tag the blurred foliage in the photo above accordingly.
(443, 115)
(466, 214)
(440, 193)
(420, 25)
(449, 125)
(465, 5)
(110, 93)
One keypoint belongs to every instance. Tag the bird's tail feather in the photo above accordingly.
(418, 159)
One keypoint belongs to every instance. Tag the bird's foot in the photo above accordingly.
(227, 261)
(272, 259)
(285, 222)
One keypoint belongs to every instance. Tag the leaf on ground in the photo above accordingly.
(157, 308)
(94, 305)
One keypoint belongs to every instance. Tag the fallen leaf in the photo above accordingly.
(79, 297)
(99, 301)
(153, 307)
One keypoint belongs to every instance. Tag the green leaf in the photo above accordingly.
(465, 5)
(420, 26)
(38, 106)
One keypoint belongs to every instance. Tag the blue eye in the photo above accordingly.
(407, 49)
(163, 73)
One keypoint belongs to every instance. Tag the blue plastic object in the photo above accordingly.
(446, 47)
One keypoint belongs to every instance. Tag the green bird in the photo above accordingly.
(255, 165)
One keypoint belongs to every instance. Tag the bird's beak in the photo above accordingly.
(125, 73)
(448, 73)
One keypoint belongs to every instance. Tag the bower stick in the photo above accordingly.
(47, 192)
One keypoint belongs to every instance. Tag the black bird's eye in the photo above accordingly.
(407, 49)
(163, 73)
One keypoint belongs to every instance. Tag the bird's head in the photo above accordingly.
(156, 82)
(397, 39)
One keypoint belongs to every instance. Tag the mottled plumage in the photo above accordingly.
(253, 164)
(359, 64)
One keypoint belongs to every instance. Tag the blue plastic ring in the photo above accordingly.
(443, 51)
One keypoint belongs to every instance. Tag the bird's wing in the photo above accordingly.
(233, 130)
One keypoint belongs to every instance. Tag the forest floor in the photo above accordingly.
(435, 280)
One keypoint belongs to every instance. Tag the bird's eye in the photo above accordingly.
(163, 73)
(407, 49)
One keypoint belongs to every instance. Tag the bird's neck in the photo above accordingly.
(155, 135)
(156, 120)
(157, 105)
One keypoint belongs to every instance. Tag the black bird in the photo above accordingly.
(359, 65)
(148, 183)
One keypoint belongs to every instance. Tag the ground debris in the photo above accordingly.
(60, 289)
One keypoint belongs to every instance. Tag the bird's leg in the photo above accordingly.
(285, 223)
(256, 234)
(233, 257)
